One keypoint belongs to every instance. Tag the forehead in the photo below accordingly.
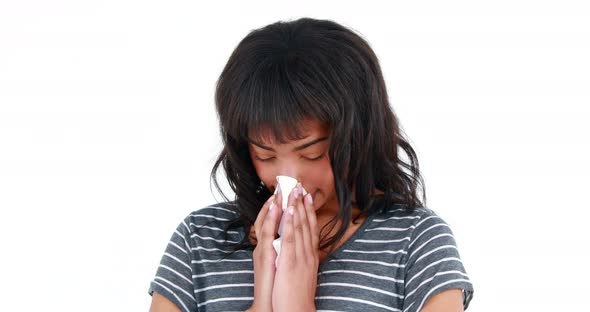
(308, 128)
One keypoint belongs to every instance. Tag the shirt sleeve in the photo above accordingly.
(433, 264)
(173, 278)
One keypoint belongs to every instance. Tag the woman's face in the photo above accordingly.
(306, 160)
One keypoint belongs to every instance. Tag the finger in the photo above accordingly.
(263, 211)
(288, 239)
(298, 230)
(276, 214)
(271, 223)
(262, 215)
(313, 222)
(292, 197)
(279, 196)
(291, 200)
(303, 236)
(264, 258)
(279, 203)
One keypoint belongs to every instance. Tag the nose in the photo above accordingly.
(289, 171)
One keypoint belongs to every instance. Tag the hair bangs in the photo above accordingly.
(274, 110)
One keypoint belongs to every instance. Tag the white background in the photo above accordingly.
(108, 134)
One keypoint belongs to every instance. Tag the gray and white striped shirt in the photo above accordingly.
(395, 261)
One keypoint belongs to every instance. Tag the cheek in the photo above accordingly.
(262, 171)
(267, 176)
(321, 179)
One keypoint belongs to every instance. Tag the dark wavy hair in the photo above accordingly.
(286, 72)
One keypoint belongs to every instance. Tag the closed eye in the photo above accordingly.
(260, 159)
(317, 158)
(310, 159)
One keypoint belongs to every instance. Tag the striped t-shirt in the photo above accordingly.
(395, 261)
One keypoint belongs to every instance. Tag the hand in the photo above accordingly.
(264, 255)
(297, 268)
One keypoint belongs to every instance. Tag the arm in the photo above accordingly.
(435, 274)
(161, 304)
(173, 280)
(450, 300)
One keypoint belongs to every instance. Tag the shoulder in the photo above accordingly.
(426, 249)
(215, 213)
(399, 215)
(416, 219)
(399, 209)
(432, 261)
(421, 232)
(208, 223)
(429, 227)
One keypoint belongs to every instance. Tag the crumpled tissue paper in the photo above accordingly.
(287, 184)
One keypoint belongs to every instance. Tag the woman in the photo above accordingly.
(306, 99)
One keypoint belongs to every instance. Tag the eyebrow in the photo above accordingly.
(298, 148)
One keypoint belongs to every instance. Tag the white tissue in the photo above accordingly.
(287, 184)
